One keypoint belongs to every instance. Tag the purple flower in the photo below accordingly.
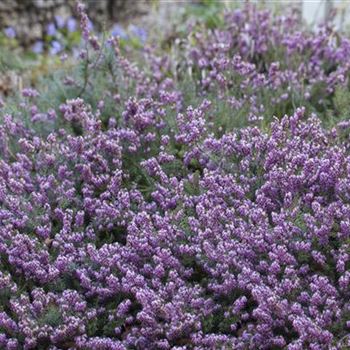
(139, 32)
(60, 22)
(71, 24)
(119, 31)
(51, 29)
(38, 47)
(10, 32)
(139, 216)
(55, 47)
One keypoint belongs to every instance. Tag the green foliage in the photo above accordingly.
(10, 61)
(208, 12)
(218, 323)
(52, 316)
(103, 326)
(341, 102)
(5, 295)
(192, 188)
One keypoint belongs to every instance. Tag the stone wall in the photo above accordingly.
(29, 18)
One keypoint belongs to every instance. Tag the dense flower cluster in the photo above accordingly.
(266, 64)
(161, 228)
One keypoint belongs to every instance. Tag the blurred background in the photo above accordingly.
(34, 33)
(32, 20)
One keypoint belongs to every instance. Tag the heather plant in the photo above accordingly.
(135, 214)
(275, 66)
(252, 67)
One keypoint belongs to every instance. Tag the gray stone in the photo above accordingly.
(30, 17)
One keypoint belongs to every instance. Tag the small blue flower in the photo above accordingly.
(10, 32)
(51, 29)
(90, 25)
(119, 31)
(55, 48)
(38, 47)
(60, 21)
(139, 32)
(71, 24)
